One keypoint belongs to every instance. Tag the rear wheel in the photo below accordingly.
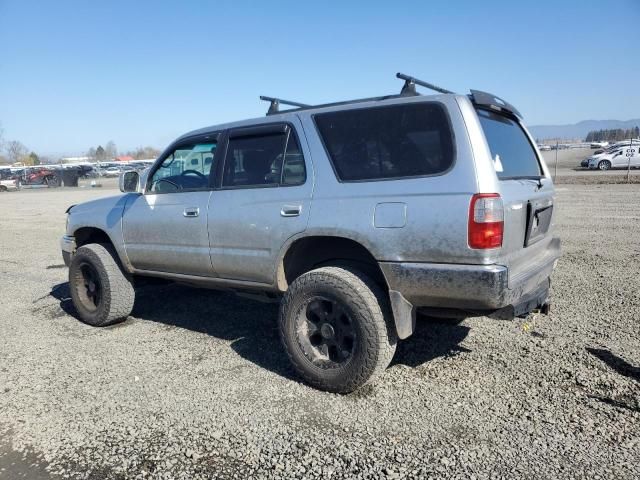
(334, 323)
(3, 188)
(604, 165)
(101, 293)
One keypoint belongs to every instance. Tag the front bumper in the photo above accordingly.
(68, 247)
(470, 287)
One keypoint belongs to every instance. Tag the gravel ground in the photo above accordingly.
(196, 385)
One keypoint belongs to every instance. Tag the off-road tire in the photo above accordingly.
(604, 165)
(117, 292)
(367, 305)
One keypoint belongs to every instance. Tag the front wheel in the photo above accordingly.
(101, 293)
(604, 165)
(335, 326)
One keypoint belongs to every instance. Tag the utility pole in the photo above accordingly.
(555, 173)
(629, 154)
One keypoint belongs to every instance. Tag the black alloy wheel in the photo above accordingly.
(325, 332)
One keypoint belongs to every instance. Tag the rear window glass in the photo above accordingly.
(387, 142)
(512, 153)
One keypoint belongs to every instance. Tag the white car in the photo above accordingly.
(7, 185)
(621, 157)
(111, 172)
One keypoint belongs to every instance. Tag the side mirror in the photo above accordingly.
(129, 182)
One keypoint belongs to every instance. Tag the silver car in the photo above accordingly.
(353, 215)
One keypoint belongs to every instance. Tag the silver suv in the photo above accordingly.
(353, 215)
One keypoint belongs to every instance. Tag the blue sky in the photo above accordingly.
(75, 74)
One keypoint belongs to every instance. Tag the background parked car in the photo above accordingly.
(40, 176)
(111, 172)
(7, 185)
(621, 157)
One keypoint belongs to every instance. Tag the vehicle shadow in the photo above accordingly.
(616, 363)
(252, 327)
(622, 367)
(433, 338)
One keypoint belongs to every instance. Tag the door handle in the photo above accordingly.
(191, 212)
(290, 210)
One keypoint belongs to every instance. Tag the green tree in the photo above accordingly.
(34, 159)
(100, 153)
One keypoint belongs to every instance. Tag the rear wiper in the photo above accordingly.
(526, 177)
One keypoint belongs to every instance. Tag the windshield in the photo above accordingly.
(512, 152)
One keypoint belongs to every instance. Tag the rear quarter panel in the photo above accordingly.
(418, 219)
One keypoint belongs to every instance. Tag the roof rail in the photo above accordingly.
(274, 107)
(409, 87)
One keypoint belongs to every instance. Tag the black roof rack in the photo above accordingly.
(275, 104)
(410, 83)
(482, 99)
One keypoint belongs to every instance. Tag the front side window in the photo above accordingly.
(186, 169)
(264, 160)
(512, 152)
(397, 141)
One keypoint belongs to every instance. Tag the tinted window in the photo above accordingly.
(254, 160)
(294, 172)
(186, 168)
(387, 142)
(513, 155)
(258, 160)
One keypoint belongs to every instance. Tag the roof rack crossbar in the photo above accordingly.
(274, 107)
(409, 87)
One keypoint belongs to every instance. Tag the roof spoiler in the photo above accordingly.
(489, 100)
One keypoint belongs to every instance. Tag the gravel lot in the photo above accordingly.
(195, 384)
(569, 170)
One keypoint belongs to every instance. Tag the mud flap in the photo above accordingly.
(404, 314)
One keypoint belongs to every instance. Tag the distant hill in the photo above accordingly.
(579, 130)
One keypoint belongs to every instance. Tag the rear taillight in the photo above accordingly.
(486, 221)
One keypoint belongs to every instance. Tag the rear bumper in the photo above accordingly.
(68, 247)
(470, 287)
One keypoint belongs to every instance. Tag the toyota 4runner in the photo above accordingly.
(352, 215)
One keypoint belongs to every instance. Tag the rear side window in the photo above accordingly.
(387, 142)
(253, 161)
(264, 160)
(512, 153)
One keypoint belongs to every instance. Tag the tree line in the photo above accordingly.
(613, 135)
(110, 151)
(14, 151)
